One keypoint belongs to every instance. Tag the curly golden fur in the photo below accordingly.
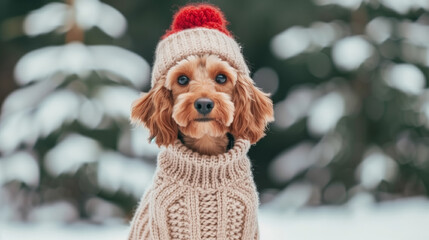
(239, 108)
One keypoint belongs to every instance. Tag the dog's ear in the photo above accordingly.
(154, 110)
(253, 110)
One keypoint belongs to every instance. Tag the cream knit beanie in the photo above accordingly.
(197, 30)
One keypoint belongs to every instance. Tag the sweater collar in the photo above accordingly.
(231, 140)
(197, 170)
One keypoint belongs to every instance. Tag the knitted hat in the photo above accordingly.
(197, 30)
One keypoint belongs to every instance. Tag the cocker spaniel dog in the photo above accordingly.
(205, 110)
(205, 103)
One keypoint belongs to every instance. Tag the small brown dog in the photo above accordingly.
(206, 103)
(205, 110)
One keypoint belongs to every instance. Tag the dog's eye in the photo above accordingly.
(220, 78)
(183, 80)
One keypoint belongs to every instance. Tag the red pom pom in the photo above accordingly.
(202, 15)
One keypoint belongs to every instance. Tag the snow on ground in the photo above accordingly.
(78, 231)
(398, 220)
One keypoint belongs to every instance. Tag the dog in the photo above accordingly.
(206, 103)
(205, 111)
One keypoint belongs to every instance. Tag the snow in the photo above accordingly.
(45, 19)
(135, 142)
(91, 113)
(72, 152)
(326, 149)
(290, 42)
(351, 52)
(116, 101)
(111, 21)
(76, 58)
(81, 231)
(122, 62)
(399, 6)
(21, 166)
(376, 167)
(303, 156)
(103, 211)
(88, 13)
(405, 77)
(24, 121)
(405, 219)
(93, 13)
(294, 107)
(324, 34)
(414, 32)
(397, 220)
(118, 172)
(52, 113)
(348, 4)
(60, 211)
(405, 6)
(325, 113)
(15, 129)
(28, 97)
(36, 65)
(295, 196)
(296, 40)
(379, 29)
(286, 166)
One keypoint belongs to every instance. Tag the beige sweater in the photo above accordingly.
(199, 197)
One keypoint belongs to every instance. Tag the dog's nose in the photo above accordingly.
(204, 105)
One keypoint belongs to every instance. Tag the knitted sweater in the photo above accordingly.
(196, 196)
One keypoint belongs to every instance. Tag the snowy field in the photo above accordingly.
(399, 220)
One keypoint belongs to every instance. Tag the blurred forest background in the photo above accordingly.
(348, 79)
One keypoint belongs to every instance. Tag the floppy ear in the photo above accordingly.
(154, 110)
(253, 110)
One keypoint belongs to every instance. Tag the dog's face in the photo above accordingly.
(202, 89)
(203, 95)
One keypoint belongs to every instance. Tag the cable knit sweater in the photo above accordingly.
(197, 196)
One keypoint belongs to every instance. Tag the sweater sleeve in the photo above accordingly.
(140, 223)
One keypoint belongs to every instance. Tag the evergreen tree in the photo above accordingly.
(359, 117)
(67, 147)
